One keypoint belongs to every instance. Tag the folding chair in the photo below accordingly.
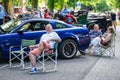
(110, 49)
(48, 56)
(19, 53)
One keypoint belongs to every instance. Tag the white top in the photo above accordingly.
(2, 12)
(37, 15)
(48, 36)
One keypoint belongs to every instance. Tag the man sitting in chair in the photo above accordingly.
(47, 41)
(95, 32)
(103, 40)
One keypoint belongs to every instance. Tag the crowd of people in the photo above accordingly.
(65, 14)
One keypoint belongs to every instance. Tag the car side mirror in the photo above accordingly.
(20, 31)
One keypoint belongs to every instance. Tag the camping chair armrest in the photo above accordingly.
(49, 49)
(25, 47)
(18, 47)
(11, 47)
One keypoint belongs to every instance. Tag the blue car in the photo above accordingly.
(73, 38)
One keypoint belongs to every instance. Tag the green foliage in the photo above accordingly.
(117, 4)
(50, 5)
(99, 5)
(111, 3)
(55, 4)
(72, 3)
(6, 5)
(102, 6)
(89, 2)
(58, 4)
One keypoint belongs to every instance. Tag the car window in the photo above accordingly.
(59, 25)
(9, 26)
(40, 25)
(34, 26)
(37, 26)
(26, 27)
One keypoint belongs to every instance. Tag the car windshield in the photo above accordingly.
(7, 27)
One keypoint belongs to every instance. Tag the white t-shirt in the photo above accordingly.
(48, 36)
(2, 12)
(37, 15)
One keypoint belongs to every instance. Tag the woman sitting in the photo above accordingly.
(101, 40)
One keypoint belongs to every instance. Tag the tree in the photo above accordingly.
(58, 4)
(50, 4)
(89, 2)
(34, 3)
(55, 4)
(117, 4)
(111, 3)
(5, 2)
(72, 3)
(114, 4)
(102, 6)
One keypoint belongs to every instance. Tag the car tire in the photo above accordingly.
(67, 49)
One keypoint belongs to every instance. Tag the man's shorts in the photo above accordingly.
(36, 50)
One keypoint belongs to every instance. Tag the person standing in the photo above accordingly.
(2, 14)
(36, 14)
(40, 13)
(47, 14)
(119, 16)
(65, 10)
(69, 18)
(113, 17)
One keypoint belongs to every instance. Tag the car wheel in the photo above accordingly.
(67, 49)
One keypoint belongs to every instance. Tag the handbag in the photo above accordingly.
(115, 23)
(104, 43)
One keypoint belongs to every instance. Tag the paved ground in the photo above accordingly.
(74, 69)
(79, 68)
(107, 68)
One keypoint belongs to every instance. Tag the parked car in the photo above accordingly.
(73, 38)
(101, 21)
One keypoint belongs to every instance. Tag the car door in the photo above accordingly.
(33, 30)
(22, 32)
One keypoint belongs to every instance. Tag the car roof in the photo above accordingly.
(42, 19)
